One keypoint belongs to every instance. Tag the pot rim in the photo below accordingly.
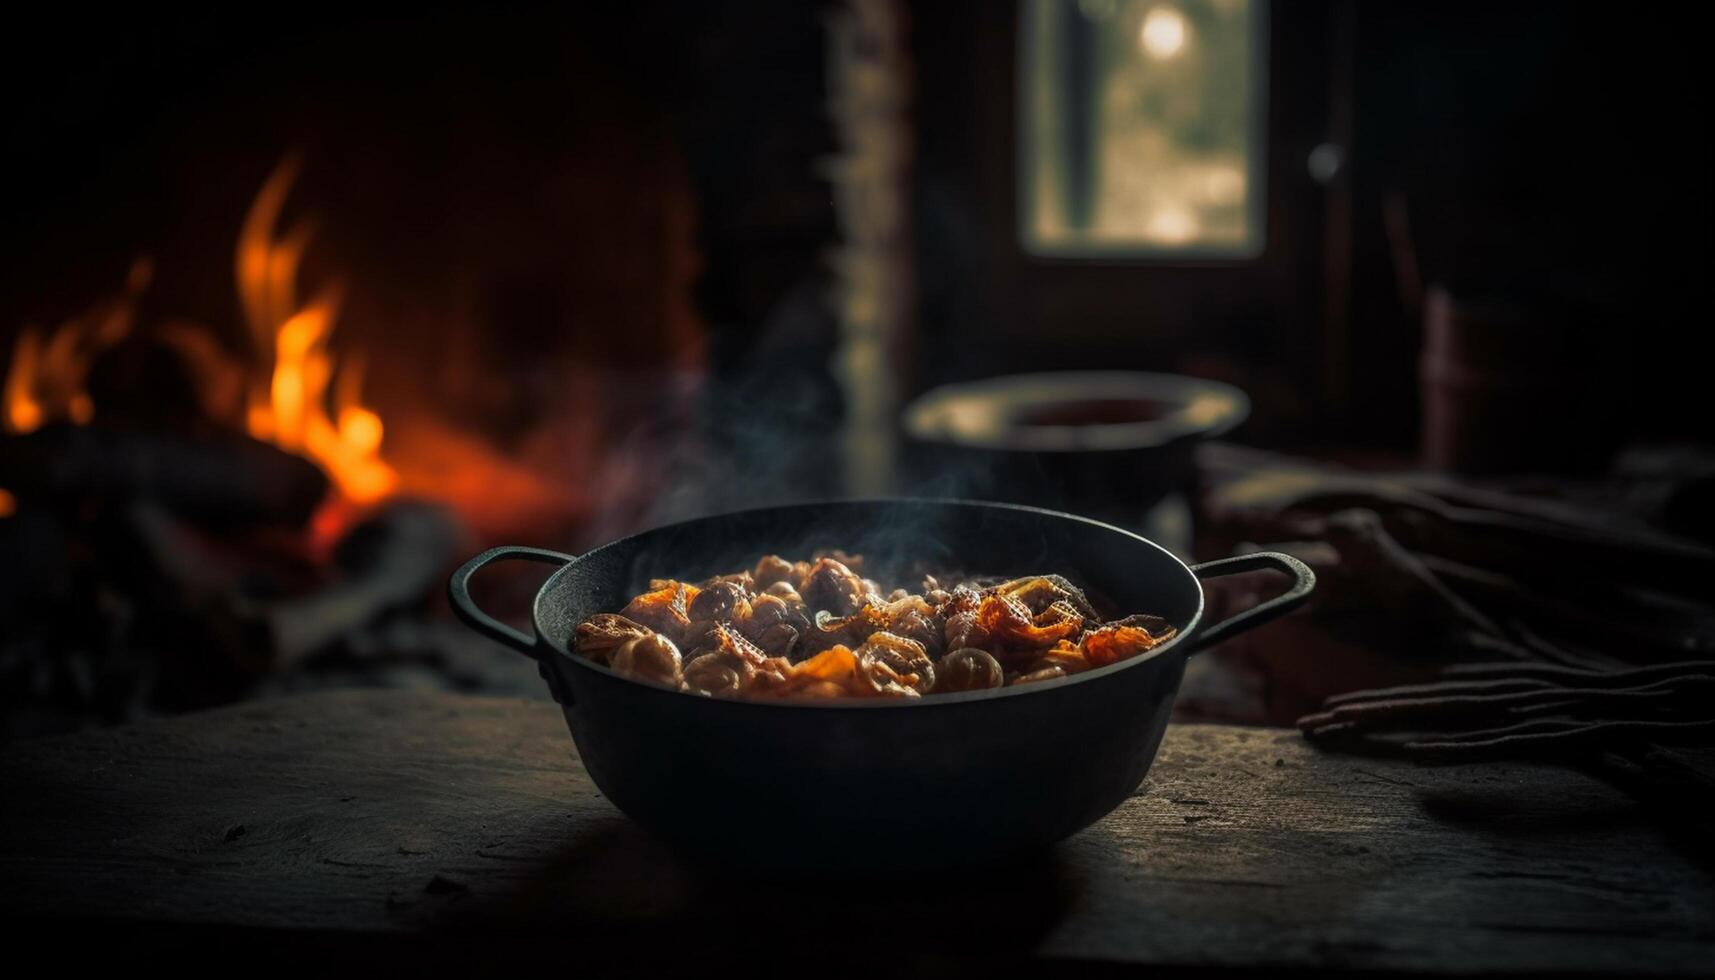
(969, 414)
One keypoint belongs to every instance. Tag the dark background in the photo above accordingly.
(1547, 153)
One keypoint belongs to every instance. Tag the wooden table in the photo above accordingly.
(434, 830)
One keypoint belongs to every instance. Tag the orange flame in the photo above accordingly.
(298, 398)
(46, 378)
(307, 404)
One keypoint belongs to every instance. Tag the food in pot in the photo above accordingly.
(820, 629)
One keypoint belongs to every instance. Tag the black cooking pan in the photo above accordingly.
(875, 784)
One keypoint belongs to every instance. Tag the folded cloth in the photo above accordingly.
(1458, 622)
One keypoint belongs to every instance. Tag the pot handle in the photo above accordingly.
(1303, 581)
(458, 591)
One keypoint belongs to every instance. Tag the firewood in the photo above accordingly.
(218, 480)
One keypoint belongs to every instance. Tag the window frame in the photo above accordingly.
(1256, 171)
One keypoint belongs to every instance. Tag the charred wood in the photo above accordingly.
(218, 480)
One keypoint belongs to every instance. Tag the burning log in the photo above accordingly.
(390, 561)
(203, 622)
(216, 480)
(386, 563)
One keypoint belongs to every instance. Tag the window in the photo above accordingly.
(1142, 128)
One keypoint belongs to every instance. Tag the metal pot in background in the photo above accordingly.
(1110, 444)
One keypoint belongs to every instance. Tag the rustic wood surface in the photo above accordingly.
(429, 822)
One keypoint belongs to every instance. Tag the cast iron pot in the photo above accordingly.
(874, 784)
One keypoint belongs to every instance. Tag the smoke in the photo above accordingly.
(760, 430)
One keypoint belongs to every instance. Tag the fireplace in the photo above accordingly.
(304, 314)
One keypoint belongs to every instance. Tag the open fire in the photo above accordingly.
(296, 394)
(48, 373)
(217, 505)
(307, 403)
